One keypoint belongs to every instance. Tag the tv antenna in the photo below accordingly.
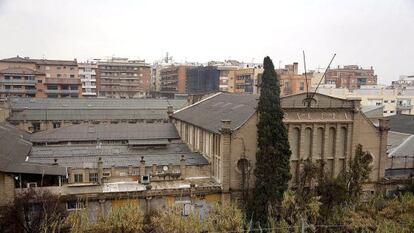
(309, 96)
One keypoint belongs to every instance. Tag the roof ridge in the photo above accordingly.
(198, 102)
(401, 145)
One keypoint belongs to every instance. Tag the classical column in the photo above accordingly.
(100, 170)
(142, 167)
(182, 167)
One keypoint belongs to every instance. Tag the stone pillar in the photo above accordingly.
(182, 167)
(382, 156)
(86, 175)
(349, 145)
(102, 207)
(142, 167)
(326, 152)
(113, 171)
(170, 112)
(338, 143)
(130, 170)
(71, 178)
(100, 170)
(154, 169)
(225, 154)
(314, 142)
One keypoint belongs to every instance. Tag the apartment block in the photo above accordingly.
(173, 80)
(393, 101)
(40, 77)
(351, 77)
(62, 79)
(246, 80)
(123, 78)
(291, 82)
(87, 75)
(226, 79)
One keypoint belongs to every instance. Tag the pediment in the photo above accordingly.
(319, 101)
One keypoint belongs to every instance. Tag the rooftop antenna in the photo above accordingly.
(306, 77)
(309, 99)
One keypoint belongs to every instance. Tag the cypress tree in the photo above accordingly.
(273, 153)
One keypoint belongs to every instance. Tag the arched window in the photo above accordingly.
(295, 144)
(308, 143)
(332, 140)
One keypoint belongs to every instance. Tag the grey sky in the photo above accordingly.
(364, 32)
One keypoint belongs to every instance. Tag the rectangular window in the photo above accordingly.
(59, 75)
(72, 76)
(35, 126)
(302, 86)
(75, 205)
(385, 101)
(93, 177)
(56, 125)
(78, 178)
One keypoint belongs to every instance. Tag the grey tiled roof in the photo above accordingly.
(93, 103)
(38, 109)
(238, 108)
(400, 144)
(208, 113)
(13, 152)
(402, 123)
(82, 156)
(107, 131)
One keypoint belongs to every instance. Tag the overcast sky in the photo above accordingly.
(378, 33)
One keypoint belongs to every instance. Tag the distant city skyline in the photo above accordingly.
(366, 33)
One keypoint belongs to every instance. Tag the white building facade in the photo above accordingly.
(87, 74)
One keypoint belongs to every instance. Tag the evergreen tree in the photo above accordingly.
(273, 154)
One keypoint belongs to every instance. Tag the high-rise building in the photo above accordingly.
(202, 80)
(351, 77)
(123, 78)
(87, 75)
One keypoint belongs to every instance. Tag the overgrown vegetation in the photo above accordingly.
(318, 202)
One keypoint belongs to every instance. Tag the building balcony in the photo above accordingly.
(61, 91)
(62, 81)
(404, 106)
(89, 93)
(17, 91)
(81, 72)
(88, 86)
(22, 82)
(88, 79)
